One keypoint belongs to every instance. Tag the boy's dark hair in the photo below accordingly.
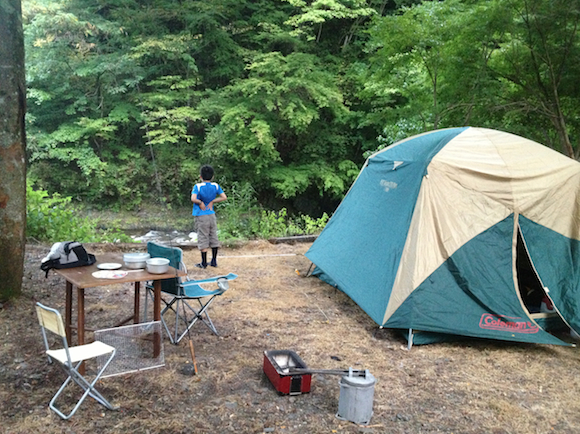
(206, 172)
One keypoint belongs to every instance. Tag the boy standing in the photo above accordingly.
(204, 195)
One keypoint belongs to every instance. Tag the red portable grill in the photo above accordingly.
(290, 375)
(278, 367)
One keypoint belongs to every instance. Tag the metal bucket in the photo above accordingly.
(356, 398)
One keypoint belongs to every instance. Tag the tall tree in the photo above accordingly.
(431, 62)
(282, 123)
(511, 65)
(12, 149)
(539, 63)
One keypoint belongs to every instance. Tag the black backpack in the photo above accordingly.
(67, 254)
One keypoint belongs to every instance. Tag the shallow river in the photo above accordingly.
(163, 237)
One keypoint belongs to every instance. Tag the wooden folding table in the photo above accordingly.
(82, 278)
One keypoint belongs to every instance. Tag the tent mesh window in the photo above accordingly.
(135, 348)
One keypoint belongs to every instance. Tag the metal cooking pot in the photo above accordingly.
(157, 265)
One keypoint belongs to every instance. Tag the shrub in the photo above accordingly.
(236, 214)
(54, 218)
(272, 224)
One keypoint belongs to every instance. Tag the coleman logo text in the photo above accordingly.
(507, 324)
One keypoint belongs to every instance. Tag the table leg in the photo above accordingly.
(68, 312)
(156, 316)
(136, 307)
(81, 322)
(81, 316)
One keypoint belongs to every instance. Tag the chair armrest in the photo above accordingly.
(183, 268)
(230, 276)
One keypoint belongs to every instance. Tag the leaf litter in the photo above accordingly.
(469, 386)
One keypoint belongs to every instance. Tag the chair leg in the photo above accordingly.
(173, 306)
(148, 296)
(178, 306)
(89, 389)
(176, 339)
(207, 320)
(199, 315)
(169, 306)
(188, 324)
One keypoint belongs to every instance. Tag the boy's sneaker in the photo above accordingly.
(213, 264)
(200, 265)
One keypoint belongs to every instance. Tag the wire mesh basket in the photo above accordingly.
(135, 345)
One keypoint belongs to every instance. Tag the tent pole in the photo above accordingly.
(410, 339)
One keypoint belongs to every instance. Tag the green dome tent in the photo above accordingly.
(461, 231)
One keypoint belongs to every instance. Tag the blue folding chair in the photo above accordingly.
(183, 292)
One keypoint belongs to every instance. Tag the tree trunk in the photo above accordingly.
(560, 124)
(12, 149)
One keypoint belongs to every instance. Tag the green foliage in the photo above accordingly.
(293, 180)
(54, 218)
(241, 217)
(271, 224)
(127, 99)
(235, 215)
(505, 65)
(536, 64)
(415, 58)
(314, 14)
(312, 226)
(80, 118)
(273, 126)
(393, 133)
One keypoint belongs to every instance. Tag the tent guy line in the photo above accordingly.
(260, 256)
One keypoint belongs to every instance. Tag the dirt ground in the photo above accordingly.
(470, 386)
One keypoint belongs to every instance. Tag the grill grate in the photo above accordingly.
(134, 345)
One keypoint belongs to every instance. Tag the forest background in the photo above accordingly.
(285, 98)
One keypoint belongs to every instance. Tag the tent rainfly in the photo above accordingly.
(463, 231)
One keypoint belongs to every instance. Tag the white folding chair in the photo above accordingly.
(71, 358)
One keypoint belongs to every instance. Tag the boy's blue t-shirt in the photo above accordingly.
(206, 192)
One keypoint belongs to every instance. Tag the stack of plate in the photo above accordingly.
(136, 260)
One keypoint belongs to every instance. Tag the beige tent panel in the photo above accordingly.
(535, 181)
(477, 180)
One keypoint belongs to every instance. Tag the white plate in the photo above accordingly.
(109, 274)
(109, 266)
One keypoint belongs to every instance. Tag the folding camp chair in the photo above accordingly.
(181, 292)
(71, 358)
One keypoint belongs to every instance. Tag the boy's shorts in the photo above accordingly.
(206, 228)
